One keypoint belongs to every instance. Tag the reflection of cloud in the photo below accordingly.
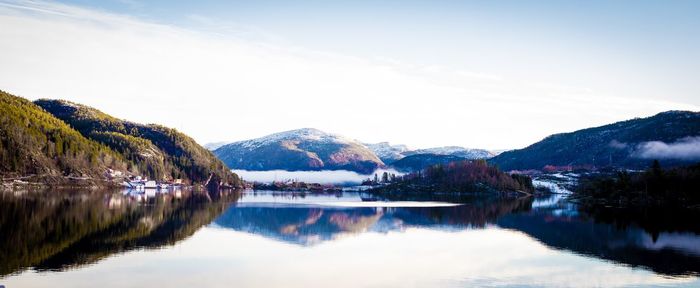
(685, 149)
(323, 177)
(389, 260)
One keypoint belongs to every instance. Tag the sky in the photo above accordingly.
(479, 74)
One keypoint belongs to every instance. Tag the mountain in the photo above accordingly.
(454, 151)
(215, 145)
(404, 159)
(152, 150)
(386, 152)
(421, 161)
(391, 153)
(302, 149)
(672, 137)
(37, 144)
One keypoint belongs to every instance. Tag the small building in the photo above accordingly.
(150, 185)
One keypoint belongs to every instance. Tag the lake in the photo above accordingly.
(275, 239)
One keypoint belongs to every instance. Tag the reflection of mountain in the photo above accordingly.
(301, 225)
(305, 224)
(668, 253)
(555, 224)
(66, 229)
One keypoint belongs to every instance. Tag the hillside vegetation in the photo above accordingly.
(459, 177)
(655, 187)
(35, 143)
(152, 150)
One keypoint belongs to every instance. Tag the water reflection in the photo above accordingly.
(310, 219)
(674, 252)
(306, 220)
(59, 229)
(56, 231)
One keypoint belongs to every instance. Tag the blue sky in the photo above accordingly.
(657, 42)
(383, 65)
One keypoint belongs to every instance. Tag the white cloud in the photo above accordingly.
(684, 149)
(617, 144)
(218, 87)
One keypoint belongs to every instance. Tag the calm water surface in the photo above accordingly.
(266, 239)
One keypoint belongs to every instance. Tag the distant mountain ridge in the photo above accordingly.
(466, 153)
(313, 149)
(672, 137)
(297, 150)
(417, 162)
(387, 152)
(401, 158)
(215, 145)
(391, 153)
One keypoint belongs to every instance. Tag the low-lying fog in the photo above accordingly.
(339, 177)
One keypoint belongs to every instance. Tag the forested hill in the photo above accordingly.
(627, 144)
(464, 176)
(153, 150)
(35, 143)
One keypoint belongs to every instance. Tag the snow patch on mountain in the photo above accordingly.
(215, 145)
(388, 152)
(304, 134)
(454, 151)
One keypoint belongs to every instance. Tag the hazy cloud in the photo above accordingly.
(617, 144)
(684, 149)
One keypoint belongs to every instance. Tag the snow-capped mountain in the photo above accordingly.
(454, 151)
(392, 153)
(214, 145)
(387, 152)
(301, 149)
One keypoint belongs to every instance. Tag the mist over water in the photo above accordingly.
(338, 177)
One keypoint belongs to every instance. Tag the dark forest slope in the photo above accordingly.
(627, 144)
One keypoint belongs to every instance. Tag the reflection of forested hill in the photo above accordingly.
(628, 245)
(309, 225)
(59, 230)
(474, 214)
